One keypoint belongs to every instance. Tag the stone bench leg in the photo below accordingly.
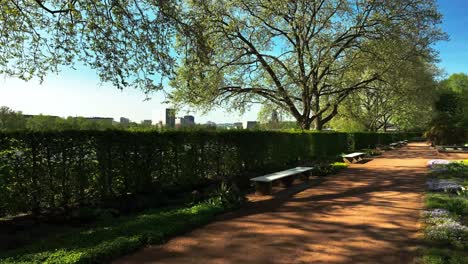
(305, 176)
(263, 188)
(287, 181)
(348, 161)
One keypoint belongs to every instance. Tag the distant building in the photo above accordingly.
(238, 125)
(31, 116)
(124, 121)
(251, 125)
(170, 117)
(209, 123)
(147, 122)
(189, 120)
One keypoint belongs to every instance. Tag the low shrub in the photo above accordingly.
(325, 169)
(436, 255)
(452, 203)
(371, 152)
(228, 196)
(338, 166)
(448, 231)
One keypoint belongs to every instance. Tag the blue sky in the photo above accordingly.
(454, 53)
(79, 92)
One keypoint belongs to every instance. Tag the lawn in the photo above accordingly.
(114, 237)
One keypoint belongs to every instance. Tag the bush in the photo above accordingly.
(228, 196)
(448, 231)
(135, 170)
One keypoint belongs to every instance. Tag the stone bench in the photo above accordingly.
(353, 157)
(264, 183)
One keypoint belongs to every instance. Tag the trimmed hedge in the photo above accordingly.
(42, 171)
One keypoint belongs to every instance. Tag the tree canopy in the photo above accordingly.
(403, 99)
(306, 57)
(449, 124)
(126, 42)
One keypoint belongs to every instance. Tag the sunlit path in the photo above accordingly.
(368, 213)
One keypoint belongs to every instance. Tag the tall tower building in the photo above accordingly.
(170, 117)
(189, 120)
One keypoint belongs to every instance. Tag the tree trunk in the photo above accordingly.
(318, 123)
(304, 124)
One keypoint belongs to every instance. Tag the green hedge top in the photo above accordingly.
(46, 170)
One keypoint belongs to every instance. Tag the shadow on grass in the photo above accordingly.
(114, 237)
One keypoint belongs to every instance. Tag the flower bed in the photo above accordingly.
(446, 221)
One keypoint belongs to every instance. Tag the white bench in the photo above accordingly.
(394, 145)
(353, 157)
(264, 183)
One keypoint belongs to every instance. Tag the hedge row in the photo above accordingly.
(44, 171)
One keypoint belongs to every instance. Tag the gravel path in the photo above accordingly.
(369, 213)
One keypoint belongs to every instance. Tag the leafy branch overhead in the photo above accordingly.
(306, 57)
(126, 42)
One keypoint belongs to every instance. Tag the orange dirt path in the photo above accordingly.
(368, 213)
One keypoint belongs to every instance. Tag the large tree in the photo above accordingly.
(450, 121)
(304, 56)
(404, 98)
(11, 120)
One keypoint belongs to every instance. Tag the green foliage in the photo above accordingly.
(448, 235)
(337, 166)
(325, 169)
(11, 120)
(404, 100)
(450, 122)
(228, 196)
(118, 169)
(454, 204)
(455, 170)
(436, 255)
(111, 238)
(254, 55)
(370, 140)
(371, 152)
(127, 44)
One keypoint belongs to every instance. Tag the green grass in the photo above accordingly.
(337, 166)
(436, 255)
(111, 238)
(455, 204)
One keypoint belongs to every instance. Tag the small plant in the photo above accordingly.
(337, 166)
(448, 231)
(457, 205)
(463, 192)
(372, 152)
(227, 196)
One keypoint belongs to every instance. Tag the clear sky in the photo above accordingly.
(79, 92)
